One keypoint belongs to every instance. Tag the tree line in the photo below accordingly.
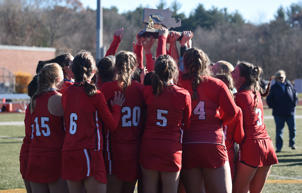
(223, 35)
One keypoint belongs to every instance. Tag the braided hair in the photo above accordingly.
(83, 67)
(125, 65)
(165, 69)
(196, 63)
(251, 73)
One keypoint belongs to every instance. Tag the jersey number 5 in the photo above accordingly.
(162, 120)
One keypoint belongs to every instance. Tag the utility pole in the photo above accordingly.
(99, 32)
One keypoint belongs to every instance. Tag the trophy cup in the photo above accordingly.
(155, 19)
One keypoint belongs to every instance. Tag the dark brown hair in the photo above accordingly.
(125, 65)
(106, 68)
(165, 69)
(196, 63)
(63, 60)
(83, 66)
(251, 73)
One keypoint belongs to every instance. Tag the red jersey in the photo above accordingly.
(28, 133)
(48, 130)
(167, 114)
(253, 122)
(26, 143)
(113, 46)
(82, 114)
(65, 85)
(234, 130)
(131, 111)
(206, 121)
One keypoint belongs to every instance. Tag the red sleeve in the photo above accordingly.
(106, 90)
(173, 52)
(149, 62)
(27, 137)
(227, 104)
(138, 49)
(113, 46)
(161, 46)
(110, 121)
(238, 129)
(236, 125)
(187, 112)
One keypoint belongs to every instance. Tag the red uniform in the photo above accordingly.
(233, 133)
(82, 149)
(66, 84)
(44, 163)
(161, 50)
(257, 150)
(26, 143)
(167, 114)
(123, 144)
(206, 122)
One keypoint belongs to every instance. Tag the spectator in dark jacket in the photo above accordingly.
(283, 100)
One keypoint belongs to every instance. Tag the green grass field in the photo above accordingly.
(286, 177)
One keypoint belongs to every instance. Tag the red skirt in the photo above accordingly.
(80, 164)
(125, 164)
(203, 155)
(163, 156)
(43, 167)
(258, 152)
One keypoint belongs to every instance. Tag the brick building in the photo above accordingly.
(22, 58)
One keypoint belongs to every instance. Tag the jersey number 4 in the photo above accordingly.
(200, 111)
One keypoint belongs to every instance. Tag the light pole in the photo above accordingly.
(99, 32)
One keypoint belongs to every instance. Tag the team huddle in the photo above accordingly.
(179, 123)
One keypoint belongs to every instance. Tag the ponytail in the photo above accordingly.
(126, 64)
(157, 85)
(46, 78)
(165, 70)
(83, 66)
(196, 62)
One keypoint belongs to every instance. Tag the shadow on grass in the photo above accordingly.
(289, 155)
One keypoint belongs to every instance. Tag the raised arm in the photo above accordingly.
(118, 35)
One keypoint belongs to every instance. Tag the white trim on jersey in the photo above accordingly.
(98, 130)
(87, 161)
(108, 153)
(181, 135)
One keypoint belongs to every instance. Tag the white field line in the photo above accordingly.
(20, 123)
(286, 177)
(12, 123)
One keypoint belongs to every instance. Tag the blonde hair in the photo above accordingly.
(46, 78)
(224, 67)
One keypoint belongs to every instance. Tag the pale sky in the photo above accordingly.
(255, 11)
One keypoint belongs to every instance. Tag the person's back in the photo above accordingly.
(206, 123)
(165, 113)
(282, 98)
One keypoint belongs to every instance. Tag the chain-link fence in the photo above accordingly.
(7, 81)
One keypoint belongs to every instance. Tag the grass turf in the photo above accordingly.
(284, 177)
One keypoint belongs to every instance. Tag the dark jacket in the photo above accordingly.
(282, 102)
